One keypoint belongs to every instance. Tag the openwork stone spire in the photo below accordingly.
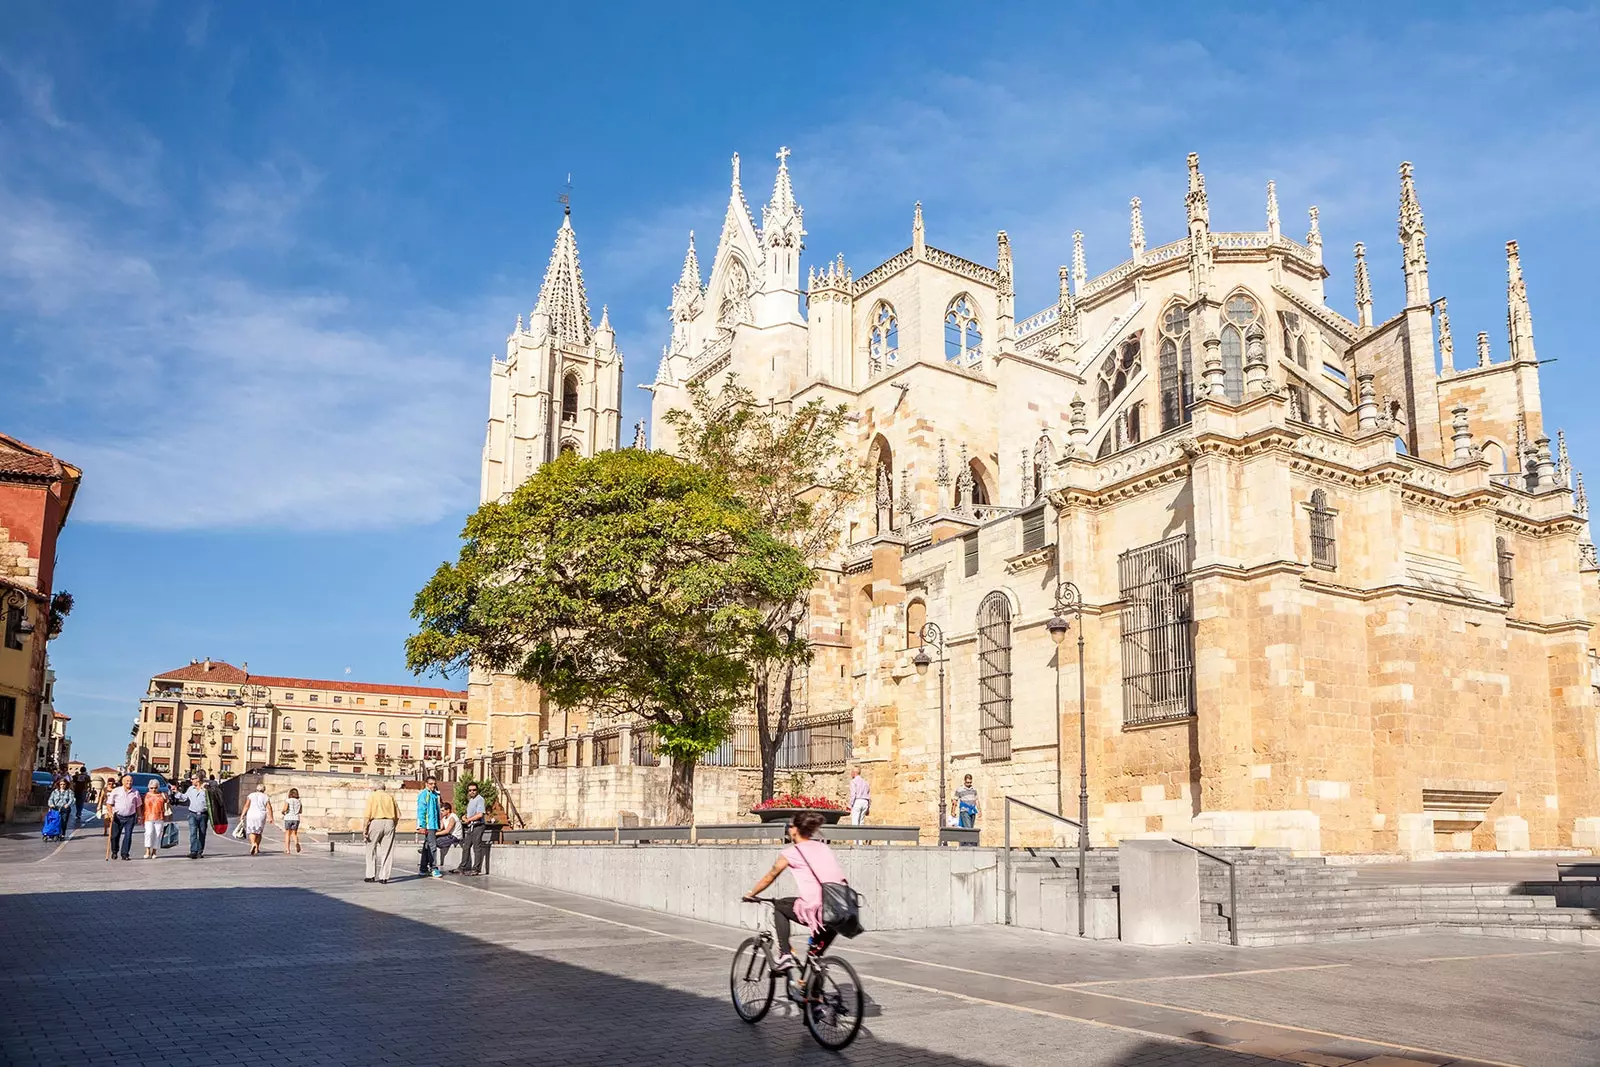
(1066, 310)
(1199, 231)
(1005, 294)
(1483, 348)
(919, 239)
(1363, 289)
(1314, 235)
(687, 293)
(1195, 201)
(1519, 319)
(638, 436)
(561, 297)
(942, 473)
(1273, 227)
(1412, 241)
(1447, 342)
(1580, 496)
(782, 219)
(1080, 271)
(1563, 461)
(1136, 240)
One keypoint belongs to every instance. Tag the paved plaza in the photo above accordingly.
(294, 960)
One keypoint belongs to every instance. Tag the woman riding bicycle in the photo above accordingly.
(811, 863)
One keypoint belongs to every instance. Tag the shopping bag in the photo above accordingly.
(238, 830)
(169, 835)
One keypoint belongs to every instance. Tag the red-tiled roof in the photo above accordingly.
(226, 673)
(25, 460)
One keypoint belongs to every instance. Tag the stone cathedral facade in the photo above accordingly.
(1336, 580)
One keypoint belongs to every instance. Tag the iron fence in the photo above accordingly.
(607, 748)
(1157, 648)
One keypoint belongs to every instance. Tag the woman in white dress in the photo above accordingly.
(257, 813)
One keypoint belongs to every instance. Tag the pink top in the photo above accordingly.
(811, 863)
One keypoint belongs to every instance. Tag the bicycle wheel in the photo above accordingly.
(751, 981)
(834, 1004)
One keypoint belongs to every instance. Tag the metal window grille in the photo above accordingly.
(607, 749)
(994, 677)
(1505, 560)
(970, 550)
(1033, 530)
(1324, 551)
(558, 754)
(644, 746)
(1157, 651)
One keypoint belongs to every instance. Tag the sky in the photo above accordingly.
(255, 259)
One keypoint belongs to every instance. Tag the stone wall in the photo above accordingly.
(329, 801)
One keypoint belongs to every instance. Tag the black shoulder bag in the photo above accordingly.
(841, 905)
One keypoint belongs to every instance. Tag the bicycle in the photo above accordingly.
(827, 989)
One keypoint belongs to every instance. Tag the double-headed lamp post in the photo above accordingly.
(1069, 599)
(254, 696)
(933, 636)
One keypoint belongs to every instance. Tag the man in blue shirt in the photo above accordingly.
(199, 815)
(428, 825)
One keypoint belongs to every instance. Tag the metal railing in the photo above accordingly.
(1008, 889)
(1233, 888)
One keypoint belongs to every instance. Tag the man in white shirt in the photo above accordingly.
(860, 797)
(472, 846)
(125, 805)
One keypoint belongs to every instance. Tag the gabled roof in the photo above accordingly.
(25, 461)
(223, 673)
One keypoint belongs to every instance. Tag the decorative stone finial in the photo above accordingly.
(1079, 272)
(638, 436)
(1295, 411)
(1025, 477)
(1447, 342)
(1005, 295)
(1066, 310)
(1273, 228)
(1136, 241)
(1563, 461)
(1213, 372)
(906, 506)
(1544, 465)
(736, 186)
(919, 242)
(1314, 236)
(1461, 436)
(1483, 348)
(964, 484)
(1413, 241)
(942, 473)
(1256, 379)
(1195, 201)
(1519, 319)
(1367, 408)
(1078, 429)
(1363, 289)
(1580, 497)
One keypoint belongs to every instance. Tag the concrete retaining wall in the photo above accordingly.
(906, 888)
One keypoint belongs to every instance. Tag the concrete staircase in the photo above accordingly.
(1285, 899)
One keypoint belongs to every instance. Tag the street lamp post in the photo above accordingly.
(932, 635)
(254, 696)
(1069, 598)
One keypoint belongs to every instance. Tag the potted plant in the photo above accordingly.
(785, 806)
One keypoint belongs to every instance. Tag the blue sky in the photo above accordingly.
(254, 259)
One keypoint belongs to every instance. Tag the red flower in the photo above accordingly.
(793, 800)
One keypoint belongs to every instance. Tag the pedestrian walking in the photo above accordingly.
(472, 843)
(80, 792)
(156, 810)
(378, 830)
(860, 797)
(104, 808)
(428, 825)
(59, 804)
(966, 804)
(257, 814)
(199, 816)
(291, 823)
(449, 834)
(125, 804)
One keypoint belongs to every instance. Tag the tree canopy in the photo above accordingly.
(630, 582)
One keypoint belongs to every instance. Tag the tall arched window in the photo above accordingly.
(916, 619)
(883, 341)
(1238, 312)
(1116, 370)
(980, 487)
(994, 677)
(569, 398)
(735, 304)
(963, 342)
(1504, 559)
(1294, 339)
(1324, 549)
(1177, 369)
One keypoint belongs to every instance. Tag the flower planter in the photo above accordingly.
(829, 815)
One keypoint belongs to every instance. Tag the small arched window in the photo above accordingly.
(980, 488)
(994, 677)
(336, 728)
(405, 729)
(883, 341)
(1496, 455)
(311, 726)
(1324, 550)
(286, 724)
(569, 447)
(963, 341)
(1504, 561)
(383, 729)
(569, 398)
(916, 619)
(1118, 368)
(361, 728)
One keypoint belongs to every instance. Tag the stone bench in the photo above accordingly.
(1576, 871)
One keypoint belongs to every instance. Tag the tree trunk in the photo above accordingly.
(766, 744)
(680, 794)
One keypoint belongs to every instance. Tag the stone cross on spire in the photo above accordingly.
(1412, 235)
(1363, 289)
(782, 213)
(562, 299)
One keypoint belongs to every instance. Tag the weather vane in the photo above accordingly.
(566, 196)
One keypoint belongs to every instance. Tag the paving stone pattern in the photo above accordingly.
(294, 960)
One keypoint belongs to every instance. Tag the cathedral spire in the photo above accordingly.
(1066, 313)
(1363, 289)
(1195, 201)
(1447, 341)
(1005, 294)
(562, 300)
(1136, 240)
(1199, 232)
(1314, 236)
(1412, 240)
(919, 241)
(1273, 229)
(1519, 319)
(687, 292)
(1080, 273)
(782, 219)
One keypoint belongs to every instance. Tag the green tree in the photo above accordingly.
(486, 789)
(792, 467)
(629, 583)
